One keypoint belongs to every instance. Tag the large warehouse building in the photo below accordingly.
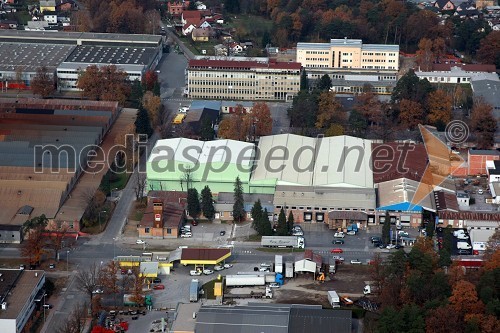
(178, 164)
(66, 53)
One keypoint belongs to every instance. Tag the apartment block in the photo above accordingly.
(348, 54)
(243, 80)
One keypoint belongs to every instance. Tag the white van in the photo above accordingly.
(463, 246)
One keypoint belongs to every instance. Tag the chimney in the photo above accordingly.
(158, 214)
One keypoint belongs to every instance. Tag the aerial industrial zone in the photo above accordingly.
(249, 166)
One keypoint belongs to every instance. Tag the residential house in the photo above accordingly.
(235, 48)
(480, 4)
(230, 106)
(164, 215)
(192, 19)
(177, 7)
(50, 17)
(466, 9)
(188, 28)
(66, 6)
(191, 16)
(220, 50)
(8, 24)
(48, 5)
(444, 5)
(201, 34)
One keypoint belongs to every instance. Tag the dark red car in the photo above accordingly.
(158, 287)
(337, 251)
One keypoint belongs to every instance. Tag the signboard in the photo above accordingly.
(157, 217)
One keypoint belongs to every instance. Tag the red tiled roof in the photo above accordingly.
(191, 14)
(173, 215)
(446, 201)
(243, 64)
(398, 160)
(476, 216)
(203, 254)
(465, 67)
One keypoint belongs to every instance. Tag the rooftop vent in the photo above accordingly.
(4, 306)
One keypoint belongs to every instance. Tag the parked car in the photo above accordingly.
(226, 266)
(208, 271)
(355, 262)
(48, 306)
(274, 285)
(264, 269)
(337, 251)
(22, 266)
(186, 235)
(351, 232)
(382, 246)
(339, 235)
(222, 233)
(194, 223)
(98, 291)
(390, 246)
(397, 247)
(158, 287)
(463, 252)
(375, 239)
(140, 241)
(480, 191)
(338, 241)
(265, 264)
(218, 268)
(338, 258)
(195, 273)
(157, 280)
(52, 266)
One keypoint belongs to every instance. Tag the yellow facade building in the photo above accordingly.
(348, 54)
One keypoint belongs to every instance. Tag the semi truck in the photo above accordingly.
(334, 299)
(245, 280)
(269, 277)
(278, 264)
(296, 242)
(194, 290)
(332, 266)
(267, 293)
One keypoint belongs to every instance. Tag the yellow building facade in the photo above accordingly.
(348, 54)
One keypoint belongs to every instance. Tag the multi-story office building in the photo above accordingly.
(243, 80)
(348, 54)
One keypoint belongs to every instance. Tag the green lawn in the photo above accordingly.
(252, 25)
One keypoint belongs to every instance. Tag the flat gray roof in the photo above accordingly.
(77, 66)
(85, 37)
(489, 90)
(29, 57)
(112, 55)
(380, 47)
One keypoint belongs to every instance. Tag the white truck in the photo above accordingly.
(334, 299)
(278, 264)
(368, 289)
(463, 246)
(339, 234)
(289, 270)
(194, 290)
(245, 280)
(296, 242)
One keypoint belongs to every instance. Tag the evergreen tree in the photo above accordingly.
(256, 213)
(267, 230)
(324, 83)
(429, 228)
(207, 203)
(193, 201)
(238, 206)
(304, 84)
(143, 123)
(206, 131)
(386, 229)
(290, 222)
(282, 229)
(136, 93)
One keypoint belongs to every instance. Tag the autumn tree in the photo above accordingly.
(75, 322)
(153, 106)
(259, 121)
(329, 110)
(489, 50)
(33, 247)
(464, 299)
(484, 124)
(233, 127)
(106, 83)
(425, 55)
(149, 79)
(109, 279)
(43, 82)
(56, 239)
(334, 130)
(139, 281)
(440, 105)
(411, 113)
(152, 21)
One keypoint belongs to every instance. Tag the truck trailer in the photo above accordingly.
(278, 264)
(268, 293)
(296, 242)
(194, 290)
(245, 280)
(334, 299)
(289, 269)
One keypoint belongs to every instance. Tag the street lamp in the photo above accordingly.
(103, 211)
(67, 263)
(114, 252)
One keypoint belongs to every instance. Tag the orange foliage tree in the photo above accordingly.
(411, 113)
(484, 124)
(439, 104)
(106, 83)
